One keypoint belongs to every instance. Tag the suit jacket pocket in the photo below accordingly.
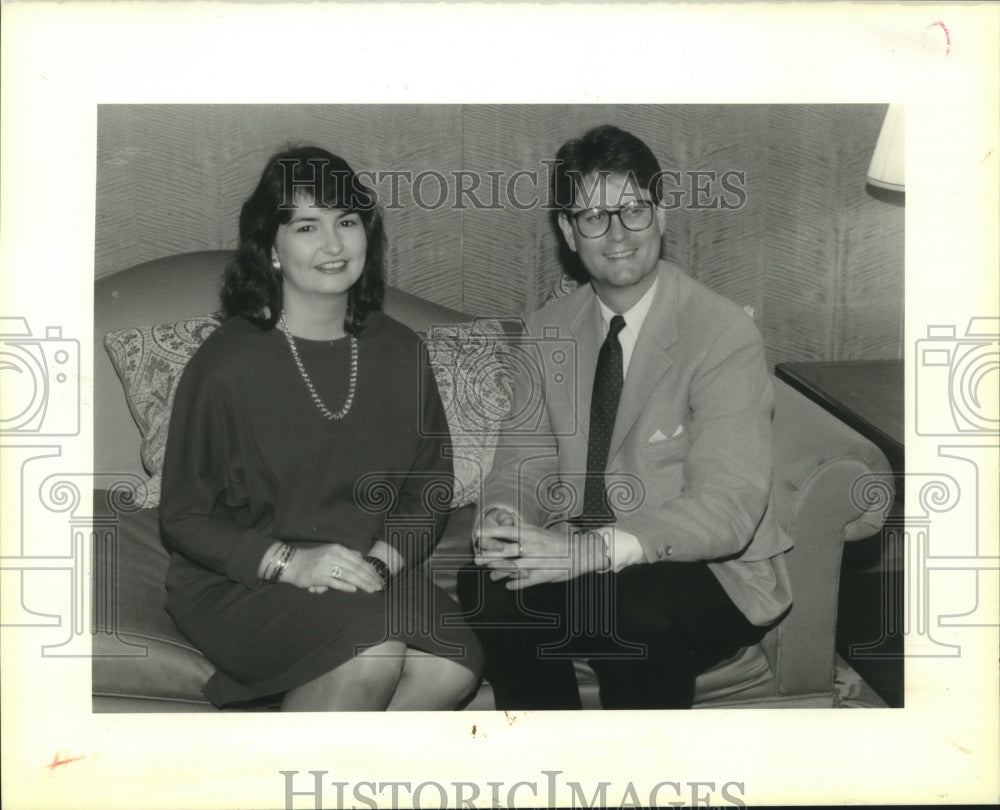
(663, 469)
(666, 451)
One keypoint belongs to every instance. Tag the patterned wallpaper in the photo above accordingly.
(818, 257)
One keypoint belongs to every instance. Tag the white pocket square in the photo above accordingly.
(660, 436)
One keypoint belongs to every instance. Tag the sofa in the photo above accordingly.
(142, 663)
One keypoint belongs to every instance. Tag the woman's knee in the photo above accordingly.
(382, 663)
(441, 675)
(367, 681)
(462, 680)
(457, 683)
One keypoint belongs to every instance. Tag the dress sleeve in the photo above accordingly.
(416, 523)
(205, 513)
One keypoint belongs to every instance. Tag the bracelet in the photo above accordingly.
(277, 564)
(268, 567)
(381, 569)
(286, 556)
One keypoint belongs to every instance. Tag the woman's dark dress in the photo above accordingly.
(250, 460)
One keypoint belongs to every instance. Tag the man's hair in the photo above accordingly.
(603, 150)
(312, 176)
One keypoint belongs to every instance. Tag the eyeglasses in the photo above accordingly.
(595, 222)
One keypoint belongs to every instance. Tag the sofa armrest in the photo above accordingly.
(806, 440)
(818, 464)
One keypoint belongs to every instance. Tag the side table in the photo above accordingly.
(865, 394)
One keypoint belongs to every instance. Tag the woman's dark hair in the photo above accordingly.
(252, 287)
(604, 149)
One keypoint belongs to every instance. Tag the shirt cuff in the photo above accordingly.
(623, 547)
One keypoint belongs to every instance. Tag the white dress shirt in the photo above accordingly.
(634, 319)
(624, 547)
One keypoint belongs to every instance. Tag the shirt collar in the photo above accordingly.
(636, 316)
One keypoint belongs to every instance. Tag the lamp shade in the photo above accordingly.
(887, 169)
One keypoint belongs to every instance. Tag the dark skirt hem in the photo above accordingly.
(224, 690)
(290, 637)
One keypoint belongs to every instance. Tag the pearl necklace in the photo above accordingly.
(309, 384)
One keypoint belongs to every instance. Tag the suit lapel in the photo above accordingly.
(650, 359)
(585, 329)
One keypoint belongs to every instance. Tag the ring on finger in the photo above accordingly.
(336, 572)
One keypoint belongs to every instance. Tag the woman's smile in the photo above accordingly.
(321, 251)
(332, 266)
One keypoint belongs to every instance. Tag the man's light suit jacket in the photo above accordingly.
(689, 468)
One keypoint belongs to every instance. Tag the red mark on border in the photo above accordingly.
(947, 34)
(58, 763)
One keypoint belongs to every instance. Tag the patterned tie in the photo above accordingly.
(603, 410)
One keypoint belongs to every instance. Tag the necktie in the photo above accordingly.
(603, 410)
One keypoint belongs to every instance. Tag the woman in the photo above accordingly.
(302, 433)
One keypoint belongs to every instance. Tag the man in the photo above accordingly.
(628, 524)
